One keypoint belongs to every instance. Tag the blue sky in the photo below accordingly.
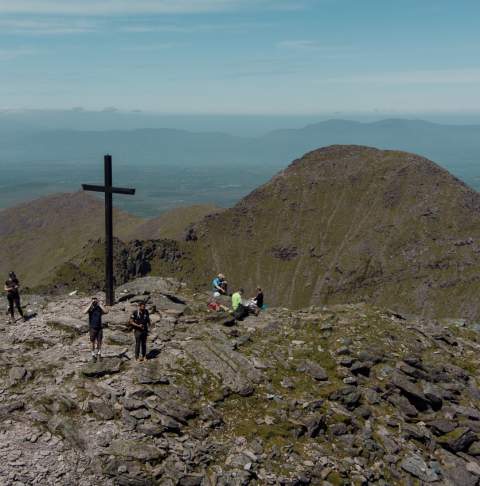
(240, 56)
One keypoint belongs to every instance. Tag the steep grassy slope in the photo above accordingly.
(38, 236)
(57, 237)
(172, 224)
(351, 223)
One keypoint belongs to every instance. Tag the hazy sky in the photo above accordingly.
(241, 56)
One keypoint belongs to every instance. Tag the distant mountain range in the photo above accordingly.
(454, 145)
(169, 166)
(341, 224)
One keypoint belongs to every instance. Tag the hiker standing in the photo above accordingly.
(219, 285)
(140, 321)
(12, 286)
(95, 311)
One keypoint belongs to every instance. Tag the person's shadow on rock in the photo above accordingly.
(153, 353)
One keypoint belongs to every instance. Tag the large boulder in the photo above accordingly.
(230, 367)
(313, 369)
(107, 366)
(137, 450)
(458, 440)
(68, 324)
(150, 373)
(417, 467)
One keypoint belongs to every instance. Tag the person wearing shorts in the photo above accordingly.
(95, 311)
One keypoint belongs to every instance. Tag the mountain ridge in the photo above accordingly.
(340, 224)
(39, 237)
(403, 196)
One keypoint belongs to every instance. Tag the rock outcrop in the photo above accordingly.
(348, 394)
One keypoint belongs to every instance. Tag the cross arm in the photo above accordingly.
(113, 190)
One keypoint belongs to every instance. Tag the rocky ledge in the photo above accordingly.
(333, 395)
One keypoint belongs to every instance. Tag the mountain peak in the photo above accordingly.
(353, 223)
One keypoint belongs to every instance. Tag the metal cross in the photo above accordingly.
(108, 190)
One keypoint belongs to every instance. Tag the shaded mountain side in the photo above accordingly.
(36, 237)
(86, 270)
(172, 224)
(352, 223)
(48, 235)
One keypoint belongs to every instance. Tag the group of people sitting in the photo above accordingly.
(241, 307)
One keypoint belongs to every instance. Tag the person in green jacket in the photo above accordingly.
(240, 311)
(237, 299)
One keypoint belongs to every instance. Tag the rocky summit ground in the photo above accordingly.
(348, 394)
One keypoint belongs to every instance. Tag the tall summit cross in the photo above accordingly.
(109, 190)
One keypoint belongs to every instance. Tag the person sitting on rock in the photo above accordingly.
(240, 311)
(258, 299)
(12, 286)
(140, 321)
(256, 304)
(95, 311)
(219, 285)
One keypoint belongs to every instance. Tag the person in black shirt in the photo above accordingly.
(256, 304)
(258, 299)
(13, 296)
(140, 321)
(95, 311)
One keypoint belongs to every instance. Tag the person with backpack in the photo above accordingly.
(140, 321)
(12, 286)
(95, 311)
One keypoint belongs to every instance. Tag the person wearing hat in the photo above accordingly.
(12, 286)
(219, 285)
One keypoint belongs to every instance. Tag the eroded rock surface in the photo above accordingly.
(333, 395)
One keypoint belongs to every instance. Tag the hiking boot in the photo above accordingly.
(142, 358)
(99, 356)
(94, 356)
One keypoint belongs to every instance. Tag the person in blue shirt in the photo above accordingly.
(219, 285)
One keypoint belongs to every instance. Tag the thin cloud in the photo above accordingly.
(191, 29)
(310, 45)
(432, 76)
(45, 27)
(132, 7)
(151, 47)
(10, 54)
